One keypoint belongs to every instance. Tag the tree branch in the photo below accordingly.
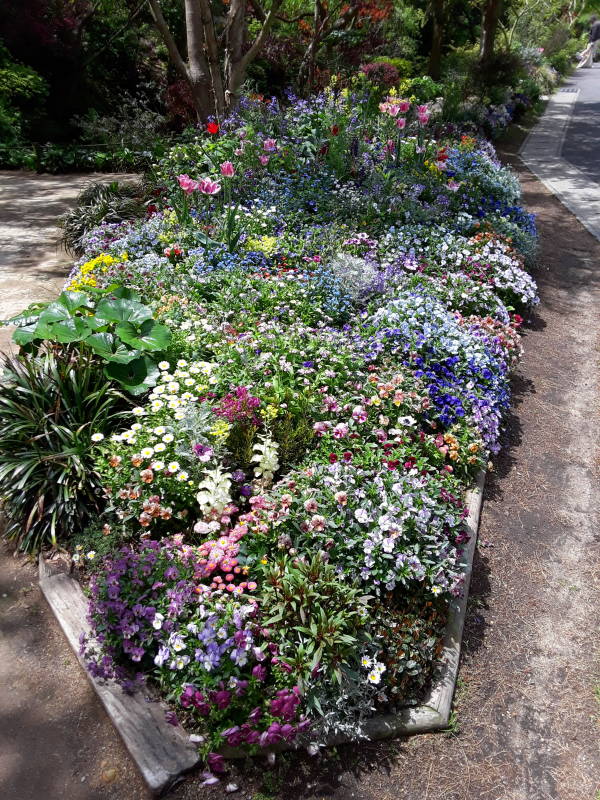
(167, 37)
(264, 32)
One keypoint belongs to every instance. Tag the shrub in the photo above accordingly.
(50, 406)
(381, 74)
(97, 203)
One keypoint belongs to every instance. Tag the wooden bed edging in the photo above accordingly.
(164, 753)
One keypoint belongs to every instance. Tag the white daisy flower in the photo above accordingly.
(179, 415)
(160, 430)
(97, 437)
(91, 555)
(182, 363)
(138, 411)
(158, 465)
(163, 365)
(156, 405)
(147, 452)
(137, 426)
(160, 447)
(173, 466)
(168, 438)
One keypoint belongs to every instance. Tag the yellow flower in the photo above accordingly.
(264, 244)
(270, 412)
(220, 430)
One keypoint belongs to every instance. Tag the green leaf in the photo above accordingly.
(28, 315)
(73, 300)
(136, 376)
(24, 335)
(69, 330)
(123, 310)
(110, 348)
(149, 336)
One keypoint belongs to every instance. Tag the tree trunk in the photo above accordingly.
(198, 73)
(437, 37)
(489, 26)
(234, 49)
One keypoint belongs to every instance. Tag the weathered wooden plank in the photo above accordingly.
(162, 752)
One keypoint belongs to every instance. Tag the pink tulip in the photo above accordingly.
(389, 146)
(422, 110)
(401, 123)
(264, 160)
(393, 110)
(207, 186)
(270, 145)
(423, 119)
(403, 106)
(453, 186)
(227, 169)
(187, 184)
(383, 107)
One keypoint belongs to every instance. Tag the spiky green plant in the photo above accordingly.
(97, 203)
(50, 405)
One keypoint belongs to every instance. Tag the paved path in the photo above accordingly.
(33, 264)
(581, 145)
(562, 149)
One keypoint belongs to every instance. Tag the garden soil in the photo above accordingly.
(526, 723)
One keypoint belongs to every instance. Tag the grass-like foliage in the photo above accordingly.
(50, 405)
(100, 202)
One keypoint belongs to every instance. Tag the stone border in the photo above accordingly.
(164, 753)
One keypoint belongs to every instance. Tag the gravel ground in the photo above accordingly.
(526, 720)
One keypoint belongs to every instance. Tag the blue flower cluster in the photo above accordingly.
(465, 375)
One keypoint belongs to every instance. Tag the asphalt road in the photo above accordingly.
(581, 146)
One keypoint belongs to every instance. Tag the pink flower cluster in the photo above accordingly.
(204, 185)
(394, 107)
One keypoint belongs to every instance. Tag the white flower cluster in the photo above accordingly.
(266, 459)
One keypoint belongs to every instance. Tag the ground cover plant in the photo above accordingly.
(325, 298)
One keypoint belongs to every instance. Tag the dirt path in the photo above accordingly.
(55, 740)
(527, 720)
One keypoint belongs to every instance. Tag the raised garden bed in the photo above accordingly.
(317, 331)
(164, 753)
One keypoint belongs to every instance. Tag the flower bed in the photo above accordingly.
(318, 319)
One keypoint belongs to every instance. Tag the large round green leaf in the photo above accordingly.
(120, 309)
(70, 330)
(73, 300)
(150, 335)
(136, 377)
(110, 348)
